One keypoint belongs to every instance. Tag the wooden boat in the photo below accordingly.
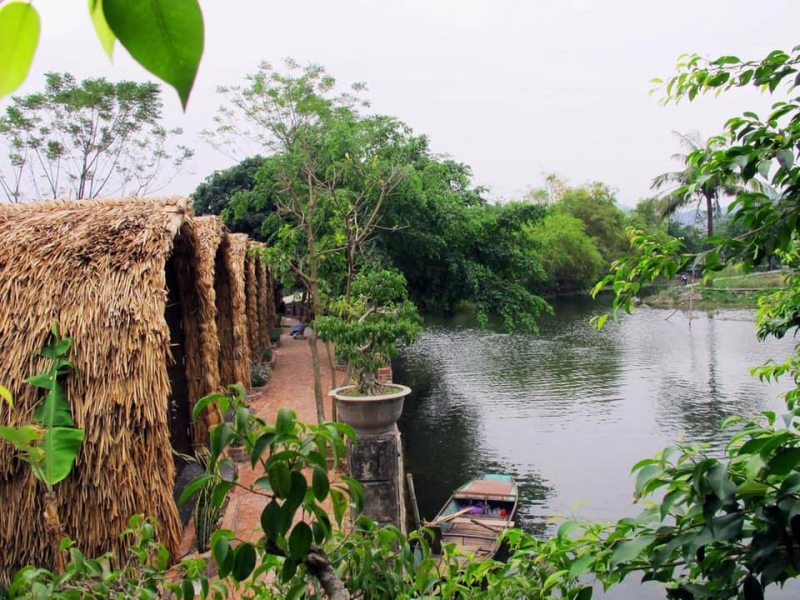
(476, 514)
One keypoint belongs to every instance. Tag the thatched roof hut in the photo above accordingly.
(263, 288)
(272, 319)
(125, 280)
(251, 301)
(232, 311)
(200, 316)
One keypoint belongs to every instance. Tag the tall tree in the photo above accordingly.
(596, 205)
(329, 174)
(215, 196)
(682, 188)
(88, 139)
(569, 256)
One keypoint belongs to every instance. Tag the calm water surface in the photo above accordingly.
(568, 412)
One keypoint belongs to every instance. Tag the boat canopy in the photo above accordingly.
(490, 487)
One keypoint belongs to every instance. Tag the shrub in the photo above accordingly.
(368, 328)
(275, 335)
(260, 375)
(266, 355)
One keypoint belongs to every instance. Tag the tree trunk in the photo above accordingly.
(319, 565)
(710, 215)
(316, 300)
(312, 340)
(332, 366)
(709, 224)
(52, 525)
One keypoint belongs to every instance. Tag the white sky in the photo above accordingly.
(513, 88)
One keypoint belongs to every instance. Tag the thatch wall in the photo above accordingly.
(235, 358)
(97, 268)
(272, 320)
(203, 350)
(262, 284)
(251, 294)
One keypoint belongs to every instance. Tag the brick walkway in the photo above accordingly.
(292, 386)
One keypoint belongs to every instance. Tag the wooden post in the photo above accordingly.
(413, 494)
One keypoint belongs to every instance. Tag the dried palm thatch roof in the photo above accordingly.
(272, 320)
(203, 350)
(262, 285)
(235, 354)
(251, 298)
(99, 269)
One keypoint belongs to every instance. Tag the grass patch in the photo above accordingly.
(761, 281)
(703, 298)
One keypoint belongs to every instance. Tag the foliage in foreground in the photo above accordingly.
(166, 38)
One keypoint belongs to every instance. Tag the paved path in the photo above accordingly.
(292, 386)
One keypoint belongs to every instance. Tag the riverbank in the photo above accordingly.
(740, 291)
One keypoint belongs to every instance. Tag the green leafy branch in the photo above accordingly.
(294, 523)
(165, 37)
(51, 443)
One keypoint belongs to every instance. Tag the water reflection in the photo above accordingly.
(569, 411)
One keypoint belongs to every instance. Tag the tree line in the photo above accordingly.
(95, 138)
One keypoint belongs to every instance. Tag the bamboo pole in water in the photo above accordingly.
(413, 494)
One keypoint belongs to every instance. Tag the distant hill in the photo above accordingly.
(697, 218)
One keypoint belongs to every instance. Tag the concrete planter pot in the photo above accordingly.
(237, 454)
(370, 414)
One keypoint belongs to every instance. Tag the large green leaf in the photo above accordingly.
(19, 35)
(6, 395)
(55, 410)
(339, 502)
(244, 561)
(300, 541)
(21, 437)
(297, 491)
(784, 461)
(630, 549)
(164, 36)
(194, 485)
(272, 521)
(61, 446)
(320, 483)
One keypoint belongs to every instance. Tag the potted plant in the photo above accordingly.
(260, 375)
(275, 336)
(367, 330)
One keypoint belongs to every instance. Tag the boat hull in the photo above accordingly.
(476, 515)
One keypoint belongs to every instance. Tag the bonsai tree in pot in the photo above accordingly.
(367, 330)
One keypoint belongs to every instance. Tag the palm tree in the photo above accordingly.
(709, 192)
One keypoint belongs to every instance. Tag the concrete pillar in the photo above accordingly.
(377, 462)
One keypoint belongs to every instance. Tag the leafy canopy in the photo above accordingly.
(88, 139)
(367, 328)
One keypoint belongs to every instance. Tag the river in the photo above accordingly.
(570, 410)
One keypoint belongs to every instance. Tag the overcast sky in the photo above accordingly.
(513, 88)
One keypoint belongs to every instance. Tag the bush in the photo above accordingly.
(275, 335)
(260, 375)
(266, 355)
